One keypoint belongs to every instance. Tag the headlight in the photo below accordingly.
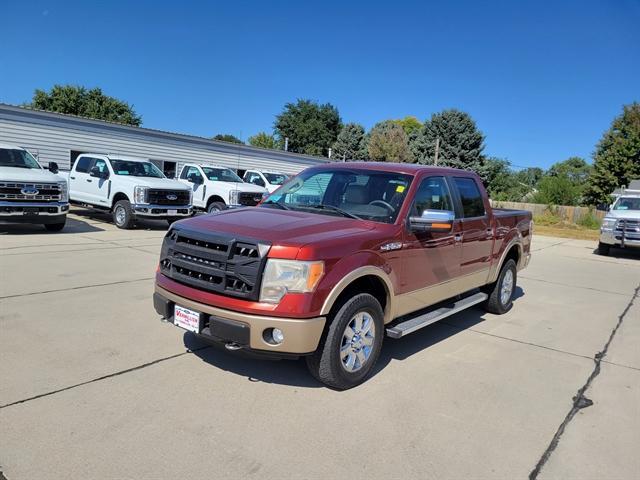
(233, 197)
(140, 195)
(64, 191)
(284, 276)
(609, 223)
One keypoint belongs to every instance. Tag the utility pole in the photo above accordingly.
(329, 152)
(286, 144)
(435, 158)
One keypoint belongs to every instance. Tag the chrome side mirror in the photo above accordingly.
(432, 221)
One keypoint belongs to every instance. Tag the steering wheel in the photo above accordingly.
(384, 204)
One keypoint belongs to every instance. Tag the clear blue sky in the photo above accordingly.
(543, 80)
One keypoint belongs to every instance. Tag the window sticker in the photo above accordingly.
(400, 188)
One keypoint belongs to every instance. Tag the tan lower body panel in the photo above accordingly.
(300, 335)
(419, 299)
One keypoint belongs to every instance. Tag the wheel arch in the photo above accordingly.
(512, 250)
(367, 279)
(117, 197)
(215, 198)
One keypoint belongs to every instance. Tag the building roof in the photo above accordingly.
(406, 168)
(28, 115)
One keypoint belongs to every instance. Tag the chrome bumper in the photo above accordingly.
(146, 210)
(44, 209)
(614, 238)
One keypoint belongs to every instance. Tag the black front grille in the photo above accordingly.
(168, 197)
(29, 192)
(213, 263)
(249, 199)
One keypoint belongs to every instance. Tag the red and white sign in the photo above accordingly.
(187, 319)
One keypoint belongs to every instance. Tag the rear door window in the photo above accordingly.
(83, 164)
(470, 197)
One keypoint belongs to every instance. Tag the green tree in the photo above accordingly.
(265, 140)
(351, 143)
(529, 176)
(461, 143)
(388, 143)
(557, 190)
(617, 156)
(409, 124)
(503, 183)
(76, 100)
(227, 137)
(575, 169)
(310, 127)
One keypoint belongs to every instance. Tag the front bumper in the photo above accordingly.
(148, 210)
(614, 238)
(33, 212)
(301, 336)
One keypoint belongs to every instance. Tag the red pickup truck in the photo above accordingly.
(339, 257)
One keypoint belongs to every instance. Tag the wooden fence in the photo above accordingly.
(569, 214)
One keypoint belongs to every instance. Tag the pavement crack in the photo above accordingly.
(573, 286)
(81, 287)
(105, 377)
(580, 400)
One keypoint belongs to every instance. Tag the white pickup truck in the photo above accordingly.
(28, 192)
(216, 188)
(263, 178)
(128, 187)
(621, 226)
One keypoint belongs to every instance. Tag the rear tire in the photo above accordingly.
(501, 292)
(351, 346)
(215, 207)
(55, 227)
(123, 215)
(603, 249)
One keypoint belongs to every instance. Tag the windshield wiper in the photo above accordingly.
(279, 205)
(344, 213)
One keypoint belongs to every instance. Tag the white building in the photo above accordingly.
(55, 137)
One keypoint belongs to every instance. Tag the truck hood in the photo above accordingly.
(13, 174)
(619, 214)
(278, 227)
(164, 183)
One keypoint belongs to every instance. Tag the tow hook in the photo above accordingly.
(232, 346)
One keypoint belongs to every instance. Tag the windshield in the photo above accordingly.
(363, 194)
(221, 175)
(627, 203)
(136, 169)
(276, 178)
(13, 157)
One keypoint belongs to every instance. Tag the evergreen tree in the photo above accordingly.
(388, 143)
(351, 143)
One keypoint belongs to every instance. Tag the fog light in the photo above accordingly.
(277, 335)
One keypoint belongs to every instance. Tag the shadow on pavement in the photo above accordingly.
(294, 372)
(73, 225)
(631, 253)
(106, 217)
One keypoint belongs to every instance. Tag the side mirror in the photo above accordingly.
(432, 221)
(53, 167)
(96, 172)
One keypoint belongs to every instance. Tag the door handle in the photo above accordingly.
(72, 178)
(457, 237)
(89, 180)
(489, 232)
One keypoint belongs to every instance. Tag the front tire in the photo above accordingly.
(215, 207)
(501, 292)
(351, 346)
(123, 215)
(55, 227)
(603, 249)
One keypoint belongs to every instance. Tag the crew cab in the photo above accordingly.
(387, 249)
(216, 188)
(128, 187)
(28, 192)
(621, 225)
(267, 179)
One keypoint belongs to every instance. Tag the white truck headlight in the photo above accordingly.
(64, 191)
(283, 276)
(140, 195)
(233, 197)
(609, 223)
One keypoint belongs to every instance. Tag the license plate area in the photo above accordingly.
(172, 212)
(188, 319)
(30, 211)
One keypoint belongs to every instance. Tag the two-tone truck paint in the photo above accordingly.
(385, 249)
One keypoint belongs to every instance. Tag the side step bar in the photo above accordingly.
(411, 325)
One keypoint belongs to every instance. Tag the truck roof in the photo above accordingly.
(113, 156)
(13, 147)
(406, 168)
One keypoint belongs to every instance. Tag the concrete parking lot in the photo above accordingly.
(94, 385)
